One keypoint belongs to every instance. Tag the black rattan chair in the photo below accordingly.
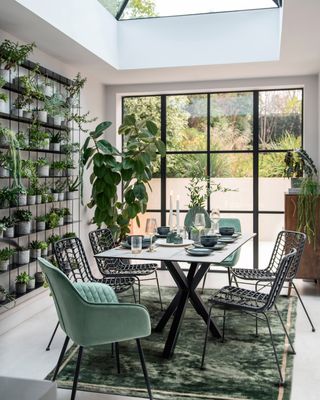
(72, 261)
(286, 241)
(102, 240)
(254, 303)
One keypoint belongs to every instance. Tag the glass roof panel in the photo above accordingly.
(166, 8)
(113, 6)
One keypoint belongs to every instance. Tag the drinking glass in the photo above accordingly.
(215, 218)
(136, 244)
(151, 230)
(200, 222)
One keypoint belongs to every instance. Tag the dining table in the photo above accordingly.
(172, 257)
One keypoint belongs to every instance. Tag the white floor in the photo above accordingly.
(23, 354)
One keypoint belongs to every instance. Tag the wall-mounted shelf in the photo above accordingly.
(23, 120)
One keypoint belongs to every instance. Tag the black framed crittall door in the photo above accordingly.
(237, 138)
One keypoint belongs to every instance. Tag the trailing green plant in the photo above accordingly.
(69, 235)
(29, 170)
(6, 253)
(73, 90)
(73, 185)
(23, 277)
(4, 160)
(55, 105)
(29, 82)
(81, 120)
(133, 169)
(299, 163)
(35, 244)
(23, 215)
(3, 96)
(14, 54)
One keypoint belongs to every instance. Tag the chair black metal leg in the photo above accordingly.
(117, 356)
(229, 277)
(76, 374)
(224, 324)
(144, 368)
(303, 306)
(285, 330)
(204, 282)
(134, 294)
(53, 335)
(112, 350)
(139, 290)
(257, 329)
(63, 350)
(274, 349)
(206, 339)
(159, 291)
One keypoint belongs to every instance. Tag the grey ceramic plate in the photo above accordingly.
(126, 245)
(199, 252)
(218, 246)
(226, 239)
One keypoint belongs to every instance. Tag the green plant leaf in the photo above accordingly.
(100, 129)
(152, 127)
(106, 147)
(161, 147)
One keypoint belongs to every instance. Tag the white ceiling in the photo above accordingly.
(300, 50)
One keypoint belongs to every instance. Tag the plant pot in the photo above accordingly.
(57, 120)
(5, 74)
(39, 278)
(3, 297)
(4, 172)
(61, 221)
(9, 232)
(27, 114)
(43, 171)
(22, 200)
(44, 252)
(23, 257)
(55, 146)
(40, 225)
(296, 182)
(24, 227)
(31, 284)
(3, 107)
(47, 90)
(68, 219)
(35, 253)
(61, 196)
(21, 288)
(72, 195)
(43, 116)
(18, 112)
(38, 198)
(55, 172)
(31, 199)
(4, 265)
(55, 196)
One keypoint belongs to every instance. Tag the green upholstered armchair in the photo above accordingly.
(90, 315)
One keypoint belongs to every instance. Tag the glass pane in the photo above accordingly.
(113, 6)
(271, 167)
(269, 227)
(280, 119)
(231, 121)
(187, 122)
(154, 202)
(234, 173)
(150, 106)
(163, 8)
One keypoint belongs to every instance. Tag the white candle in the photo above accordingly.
(171, 211)
(178, 214)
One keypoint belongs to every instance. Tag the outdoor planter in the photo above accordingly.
(39, 278)
(72, 195)
(55, 196)
(43, 116)
(35, 253)
(5, 74)
(21, 288)
(9, 232)
(4, 172)
(40, 225)
(31, 199)
(61, 196)
(4, 265)
(23, 257)
(43, 171)
(39, 198)
(23, 227)
(31, 284)
(22, 199)
(55, 146)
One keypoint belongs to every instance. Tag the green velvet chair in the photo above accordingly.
(90, 315)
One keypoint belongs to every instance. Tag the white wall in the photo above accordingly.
(309, 83)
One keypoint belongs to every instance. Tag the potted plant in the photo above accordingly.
(57, 168)
(60, 213)
(4, 142)
(31, 196)
(18, 196)
(39, 139)
(3, 97)
(39, 278)
(41, 222)
(23, 221)
(55, 139)
(51, 240)
(21, 283)
(69, 148)
(43, 167)
(53, 220)
(20, 104)
(31, 283)
(12, 55)
(47, 87)
(3, 294)
(298, 164)
(55, 106)
(67, 215)
(73, 187)
(4, 165)
(5, 197)
(69, 166)
(69, 235)
(44, 249)
(9, 222)
(60, 188)
(35, 249)
(22, 256)
(5, 254)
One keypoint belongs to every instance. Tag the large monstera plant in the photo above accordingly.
(130, 169)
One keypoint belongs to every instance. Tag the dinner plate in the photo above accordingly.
(226, 239)
(163, 242)
(218, 246)
(126, 245)
(199, 252)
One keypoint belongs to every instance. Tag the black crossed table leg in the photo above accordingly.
(187, 286)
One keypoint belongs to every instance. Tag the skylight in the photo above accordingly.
(131, 9)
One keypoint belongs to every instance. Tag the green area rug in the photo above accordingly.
(242, 367)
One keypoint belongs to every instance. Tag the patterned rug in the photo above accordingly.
(241, 368)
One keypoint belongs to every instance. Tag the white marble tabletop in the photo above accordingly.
(178, 254)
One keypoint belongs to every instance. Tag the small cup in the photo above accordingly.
(163, 230)
(209, 240)
(131, 236)
(136, 244)
(226, 230)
